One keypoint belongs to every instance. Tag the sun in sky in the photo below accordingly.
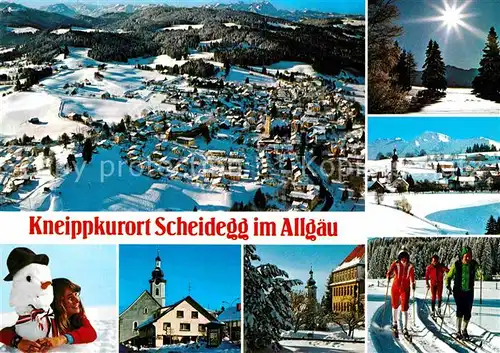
(452, 17)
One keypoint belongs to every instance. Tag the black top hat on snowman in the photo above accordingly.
(22, 257)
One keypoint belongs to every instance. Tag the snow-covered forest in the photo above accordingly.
(382, 252)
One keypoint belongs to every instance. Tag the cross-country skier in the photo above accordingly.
(463, 273)
(404, 277)
(435, 275)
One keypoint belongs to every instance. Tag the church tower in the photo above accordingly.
(157, 283)
(311, 286)
(394, 166)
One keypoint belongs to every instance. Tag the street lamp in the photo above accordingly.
(230, 323)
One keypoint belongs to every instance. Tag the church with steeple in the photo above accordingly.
(157, 283)
(311, 287)
(150, 322)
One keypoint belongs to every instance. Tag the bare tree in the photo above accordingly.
(351, 319)
(299, 309)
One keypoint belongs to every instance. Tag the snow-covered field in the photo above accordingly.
(19, 107)
(22, 30)
(460, 101)
(308, 346)
(310, 341)
(282, 25)
(102, 318)
(427, 336)
(232, 24)
(434, 213)
(182, 27)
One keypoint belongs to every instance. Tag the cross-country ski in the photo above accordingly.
(433, 295)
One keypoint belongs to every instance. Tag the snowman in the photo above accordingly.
(31, 293)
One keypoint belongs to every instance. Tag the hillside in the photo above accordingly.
(455, 76)
(430, 142)
(15, 15)
(254, 40)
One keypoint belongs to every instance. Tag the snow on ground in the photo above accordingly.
(109, 110)
(231, 24)
(182, 27)
(335, 333)
(117, 80)
(208, 42)
(308, 346)
(352, 22)
(19, 107)
(6, 50)
(126, 190)
(282, 25)
(225, 347)
(60, 31)
(102, 318)
(78, 58)
(435, 213)
(238, 74)
(20, 30)
(427, 336)
(459, 101)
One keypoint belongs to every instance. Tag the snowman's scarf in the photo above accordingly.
(33, 315)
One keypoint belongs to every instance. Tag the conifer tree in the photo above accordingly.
(268, 307)
(434, 75)
(487, 83)
(491, 226)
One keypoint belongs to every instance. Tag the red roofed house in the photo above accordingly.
(348, 282)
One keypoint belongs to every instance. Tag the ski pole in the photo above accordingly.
(414, 320)
(444, 313)
(385, 299)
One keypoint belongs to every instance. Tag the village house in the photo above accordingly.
(150, 322)
(348, 282)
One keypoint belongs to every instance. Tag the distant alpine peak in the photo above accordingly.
(431, 142)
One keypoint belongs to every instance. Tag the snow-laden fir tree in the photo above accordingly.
(268, 306)
(487, 83)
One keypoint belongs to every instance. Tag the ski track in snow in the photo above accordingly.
(427, 336)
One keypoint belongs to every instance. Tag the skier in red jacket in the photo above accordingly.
(435, 274)
(70, 324)
(404, 276)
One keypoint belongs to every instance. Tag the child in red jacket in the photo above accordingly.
(435, 274)
(70, 324)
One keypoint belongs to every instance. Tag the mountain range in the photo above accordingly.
(430, 142)
(91, 10)
(263, 8)
(16, 15)
(267, 9)
(455, 76)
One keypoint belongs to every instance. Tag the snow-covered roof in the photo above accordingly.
(357, 256)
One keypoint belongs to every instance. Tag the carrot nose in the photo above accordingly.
(44, 285)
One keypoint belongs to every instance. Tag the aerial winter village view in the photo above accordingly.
(153, 107)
